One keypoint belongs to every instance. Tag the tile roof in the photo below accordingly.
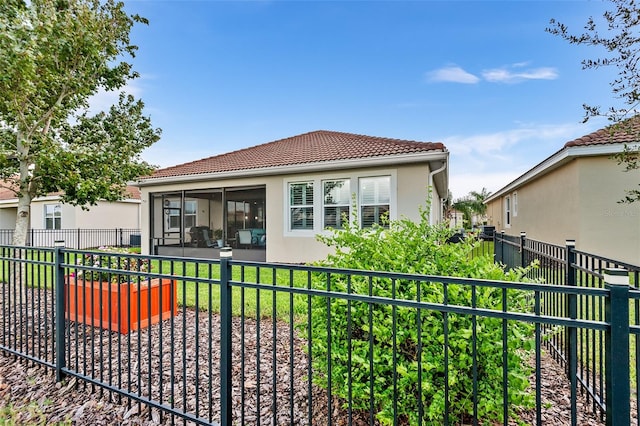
(313, 147)
(627, 131)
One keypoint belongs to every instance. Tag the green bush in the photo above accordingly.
(361, 330)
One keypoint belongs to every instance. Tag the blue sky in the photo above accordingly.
(483, 77)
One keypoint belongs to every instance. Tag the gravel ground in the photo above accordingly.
(181, 375)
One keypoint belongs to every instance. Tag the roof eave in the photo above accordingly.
(556, 160)
(300, 168)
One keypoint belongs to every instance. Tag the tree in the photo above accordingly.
(472, 204)
(54, 55)
(618, 35)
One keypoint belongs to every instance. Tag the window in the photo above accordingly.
(336, 201)
(53, 216)
(515, 204)
(375, 194)
(301, 205)
(172, 212)
(507, 211)
(190, 212)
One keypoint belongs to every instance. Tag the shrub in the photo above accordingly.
(113, 259)
(363, 331)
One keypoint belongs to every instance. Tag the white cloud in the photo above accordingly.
(461, 184)
(504, 75)
(452, 74)
(492, 144)
(492, 160)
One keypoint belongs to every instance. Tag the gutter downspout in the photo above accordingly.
(430, 186)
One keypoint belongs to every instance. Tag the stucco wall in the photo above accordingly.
(608, 228)
(68, 214)
(547, 207)
(578, 201)
(8, 218)
(105, 215)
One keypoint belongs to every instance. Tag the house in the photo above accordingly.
(48, 213)
(271, 200)
(575, 194)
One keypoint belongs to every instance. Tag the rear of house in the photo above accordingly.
(575, 194)
(283, 193)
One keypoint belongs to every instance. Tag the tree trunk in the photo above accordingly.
(23, 218)
(23, 221)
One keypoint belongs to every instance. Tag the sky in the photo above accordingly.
(482, 77)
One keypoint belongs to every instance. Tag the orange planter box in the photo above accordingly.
(101, 304)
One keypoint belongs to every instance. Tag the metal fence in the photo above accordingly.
(564, 265)
(257, 343)
(77, 238)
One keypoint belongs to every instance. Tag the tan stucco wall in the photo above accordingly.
(578, 201)
(104, 215)
(547, 207)
(608, 228)
(8, 217)
(108, 216)
(409, 190)
(68, 219)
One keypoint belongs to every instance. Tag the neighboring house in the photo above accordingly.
(456, 219)
(49, 213)
(286, 192)
(575, 194)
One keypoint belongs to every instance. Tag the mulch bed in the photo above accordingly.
(33, 393)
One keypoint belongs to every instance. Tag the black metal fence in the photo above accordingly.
(564, 265)
(256, 343)
(78, 238)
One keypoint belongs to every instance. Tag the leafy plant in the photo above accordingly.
(108, 264)
(367, 359)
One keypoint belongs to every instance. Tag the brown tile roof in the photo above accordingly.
(6, 194)
(627, 131)
(312, 147)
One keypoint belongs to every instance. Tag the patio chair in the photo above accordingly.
(244, 238)
(208, 241)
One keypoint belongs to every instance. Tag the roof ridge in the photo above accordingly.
(309, 147)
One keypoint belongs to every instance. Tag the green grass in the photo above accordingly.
(483, 248)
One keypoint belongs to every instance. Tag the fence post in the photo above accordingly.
(523, 257)
(571, 310)
(226, 385)
(60, 310)
(616, 351)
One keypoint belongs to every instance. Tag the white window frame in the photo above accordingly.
(53, 213)
(187, 214)
(362, 204)
(170, 212)
(317, 180)
(338, 205)
(292, 207)
(507, 211)
(514, 204)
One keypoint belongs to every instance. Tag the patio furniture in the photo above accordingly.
(244, 238)
(207, 240)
